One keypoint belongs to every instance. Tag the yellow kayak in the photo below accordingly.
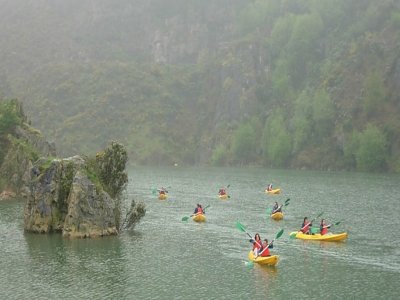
(264, 260)
(199, 218)
(223, 197)
(162, 196)
(273, 192)
(329, 237)
(277, 216)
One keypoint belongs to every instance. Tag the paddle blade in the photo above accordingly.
(249, 264)
(287, 200)
(228, 186)
(154, 191)
(279, 234)
(184, 219)
(293, 235)
(240, 227)
(269, 210)
(337, 223)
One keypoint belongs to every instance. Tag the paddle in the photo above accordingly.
(269, 210)
(185, 218)
(155, 190)
(318, 229)
(278, 235)
(293, 234)
(243, 229)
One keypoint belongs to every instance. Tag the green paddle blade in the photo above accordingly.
(315, 230)
(249, 264)
(337, 223)
(269, 210)
(287, 200)
(184, 219)
(240, 227)
(293, 235)
(154, 191)
(228, 186)
(279, 234)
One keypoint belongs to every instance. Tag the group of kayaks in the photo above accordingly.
(273, 259)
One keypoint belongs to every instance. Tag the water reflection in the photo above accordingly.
(75, 263)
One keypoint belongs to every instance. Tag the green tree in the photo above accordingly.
(244, 143)
(277, 141)
(324, 114)
(302, 121)
(371, 153)
(219, 156)
(375, 93)
(9, 117)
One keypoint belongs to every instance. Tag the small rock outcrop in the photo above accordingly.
(72, 195)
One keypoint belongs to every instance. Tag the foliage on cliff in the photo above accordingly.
(10, 116)
(288, 84)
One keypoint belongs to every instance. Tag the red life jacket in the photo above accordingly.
(265, 252)
(257, 245)
(306, 227)
(324, 230)
(199, 211)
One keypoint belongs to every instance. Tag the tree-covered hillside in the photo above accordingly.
(281, 83)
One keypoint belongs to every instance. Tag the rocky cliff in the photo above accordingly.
(64, 199)
(72, 195)
(76, 196)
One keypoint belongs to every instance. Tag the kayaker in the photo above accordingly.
(222, 191)
(276, 208)
(324, 227)
(265, 248)
(306, 226)
(269, 187)
(257, 244)
(198, 209)
(163, 191)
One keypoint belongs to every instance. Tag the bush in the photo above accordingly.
(371, 154)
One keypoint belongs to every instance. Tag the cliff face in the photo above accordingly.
(63, 199)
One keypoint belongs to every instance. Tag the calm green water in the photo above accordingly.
(165, 258)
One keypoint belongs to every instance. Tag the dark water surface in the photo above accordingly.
(165, 258)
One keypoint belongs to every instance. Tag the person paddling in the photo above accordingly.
(265, 248)
(276, 208)
(222, 191)
(257, 244)
(306, 226)
(163, 191)
(269, 187)
(198, 210)
(324, 227)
